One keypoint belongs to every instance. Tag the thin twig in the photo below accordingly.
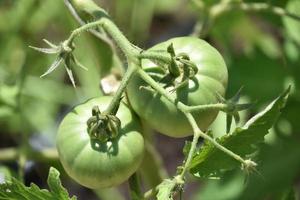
(97, 34)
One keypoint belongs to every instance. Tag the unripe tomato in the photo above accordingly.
(210, 79)
(96, 164)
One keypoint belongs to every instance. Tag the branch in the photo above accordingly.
(12, 154)
(97, 34)
(229, 5)
(257, 7)
(134, 185)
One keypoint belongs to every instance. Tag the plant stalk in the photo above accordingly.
(134, 185)
(12, 154)
(125, 80)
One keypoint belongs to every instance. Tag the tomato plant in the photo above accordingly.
(177, 88)
(97, 164)
(211, 79)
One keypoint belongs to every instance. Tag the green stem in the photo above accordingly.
(161, 90)
(22, 159)
(152, 55)
(81, 29)
(150, 193)
(101, 36)
(196, 136)
(126, 47)
(125, 80)
(197, 131)
(266, 7)
(134, 185)
(224, 7)
(211, 107)
(12, 154)
(106, 23)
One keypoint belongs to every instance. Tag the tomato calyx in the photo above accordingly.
(233, 107)
(178, 72)
(103, 127)
(65, 55)
(181, 68)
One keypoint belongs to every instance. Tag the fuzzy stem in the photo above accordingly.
(134, 185)
(193, 145)
(97, 34)
(161, 90)
(266, 7)
(106, 23)
(210, 107)
(152, 55)
(197, 131)
(127, 48)
(125, 80)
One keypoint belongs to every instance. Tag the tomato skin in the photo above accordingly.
(211, 78)
(94, 164)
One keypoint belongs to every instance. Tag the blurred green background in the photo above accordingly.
(261, 51)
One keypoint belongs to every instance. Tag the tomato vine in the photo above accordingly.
(174, 66)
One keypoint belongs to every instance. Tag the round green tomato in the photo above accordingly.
(210, 79)
(94, 164)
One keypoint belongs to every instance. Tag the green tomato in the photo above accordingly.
(94, 164)
(210, 79)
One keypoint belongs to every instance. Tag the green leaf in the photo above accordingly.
(210, 161)
(134, 186)
(289, 194)
(55, 185)
(165, 189)
(292, 26)
(5, 174)
(17, 190)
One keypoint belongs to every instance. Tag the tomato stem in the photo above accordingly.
(125, 80)
(134, 185)
(153, 55)
(103, 20)
(210, 107)
(11, 154)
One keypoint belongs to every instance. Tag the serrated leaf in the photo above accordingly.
(165, 189)
(210, 161)
(17, 190)
(55, 185)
